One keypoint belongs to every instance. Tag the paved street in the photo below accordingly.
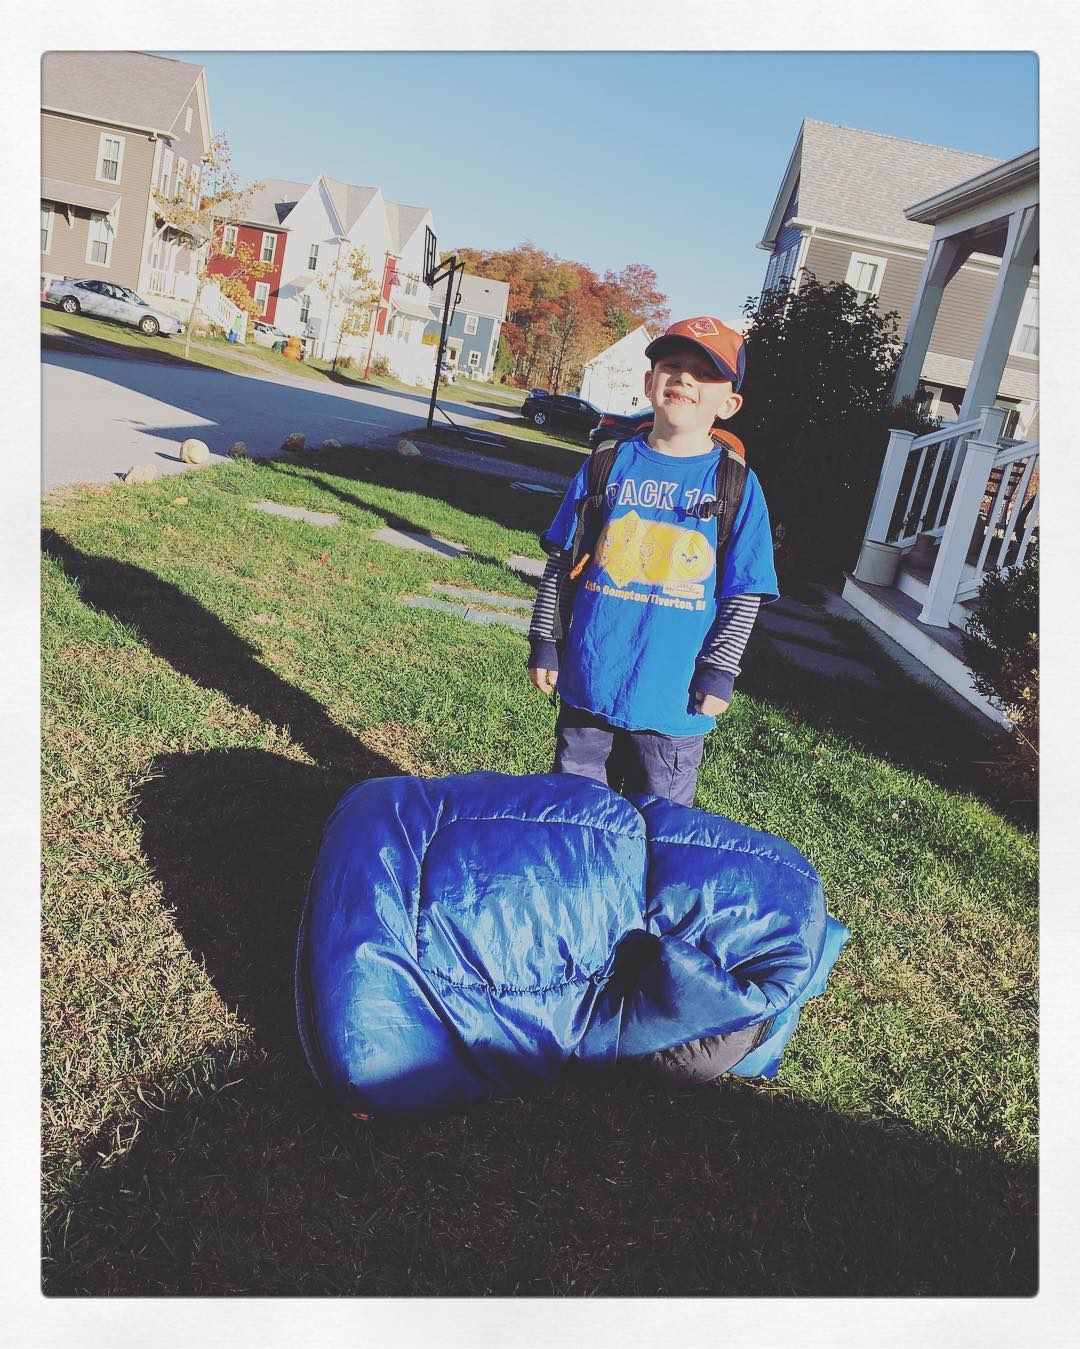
(102, 414)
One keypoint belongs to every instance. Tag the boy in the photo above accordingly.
(653, 643)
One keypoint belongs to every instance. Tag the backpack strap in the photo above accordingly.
(589, 513)
(730, 482)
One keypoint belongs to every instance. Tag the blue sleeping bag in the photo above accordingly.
(466, 936)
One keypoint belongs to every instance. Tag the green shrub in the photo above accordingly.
(380, 366)
(1001, 649)
(816, 419)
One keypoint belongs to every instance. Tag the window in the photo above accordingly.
(110, 158)
(99, 239)
(313, 257)
(262, 295)
(228, 240)
(182, 187)
(46, 226)
(864, 275)
(268, 245)
(411, 288)
(166, 173)
(1012, 416)
(471, 322)
(781, 268)
(474, 360)
(305, 307)
(1026, 338)
(187, 119)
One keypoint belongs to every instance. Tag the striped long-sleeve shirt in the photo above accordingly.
(717, 663)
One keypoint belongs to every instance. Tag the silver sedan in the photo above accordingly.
(107, 300)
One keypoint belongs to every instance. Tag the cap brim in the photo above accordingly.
(663, 343)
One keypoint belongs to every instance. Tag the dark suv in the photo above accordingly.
(560, 411)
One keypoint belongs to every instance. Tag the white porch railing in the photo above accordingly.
(960, 485)
(172, 285)
(213, 306)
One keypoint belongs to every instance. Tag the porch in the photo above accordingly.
(175, 291)
(962, 501)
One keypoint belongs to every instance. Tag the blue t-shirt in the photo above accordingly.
(646, 600)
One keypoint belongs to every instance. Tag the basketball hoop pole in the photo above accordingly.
(449, 270)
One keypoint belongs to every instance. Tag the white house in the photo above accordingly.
(328, 222)
(614, 380)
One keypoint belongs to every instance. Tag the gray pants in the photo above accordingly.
(627, 761)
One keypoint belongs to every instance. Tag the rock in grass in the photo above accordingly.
(237, 450)
(293, 443)
(407, 448)
(195, 451)
(138, 475)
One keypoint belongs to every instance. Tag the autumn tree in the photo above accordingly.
(353, 292)
(203, 201)
(560, 313)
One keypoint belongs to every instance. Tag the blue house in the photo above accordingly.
(472, 337)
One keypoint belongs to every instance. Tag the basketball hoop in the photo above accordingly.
(430, 265)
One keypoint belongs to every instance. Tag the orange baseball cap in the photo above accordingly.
(723, 345)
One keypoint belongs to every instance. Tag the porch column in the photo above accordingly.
(1010, 288)
(945, 258)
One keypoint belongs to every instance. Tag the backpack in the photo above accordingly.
(730, 481)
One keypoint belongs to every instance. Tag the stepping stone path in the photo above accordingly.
(781, 625)
(495, 614)
(535, 487)
(485, 597)
(420, 543)
(803, 636)
(527, 566)
(296, 513)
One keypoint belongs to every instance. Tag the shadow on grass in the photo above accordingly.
(198, 644)
(256, 1190)
(896, 719)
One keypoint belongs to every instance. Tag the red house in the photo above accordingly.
(263, 231)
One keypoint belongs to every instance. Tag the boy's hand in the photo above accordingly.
(544, 680)
(710, 706)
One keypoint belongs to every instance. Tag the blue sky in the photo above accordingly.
(669, 159)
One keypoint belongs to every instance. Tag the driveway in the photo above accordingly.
(102, 414)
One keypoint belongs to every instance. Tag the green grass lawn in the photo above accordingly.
(210, 689)
(219, 355)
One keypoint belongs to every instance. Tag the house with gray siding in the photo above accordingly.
(472, 336)
(115, 127)
(840, 215)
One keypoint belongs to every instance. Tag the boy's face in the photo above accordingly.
(687, 391)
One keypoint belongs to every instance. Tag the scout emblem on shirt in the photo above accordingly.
(653, 553)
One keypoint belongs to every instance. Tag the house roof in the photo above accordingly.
(1007, 176)
(349, 200)
(122, 88)
(478, 294)
(404, 222)
(637, 338)
(271, 204)
(76, 194)
(863, 180)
